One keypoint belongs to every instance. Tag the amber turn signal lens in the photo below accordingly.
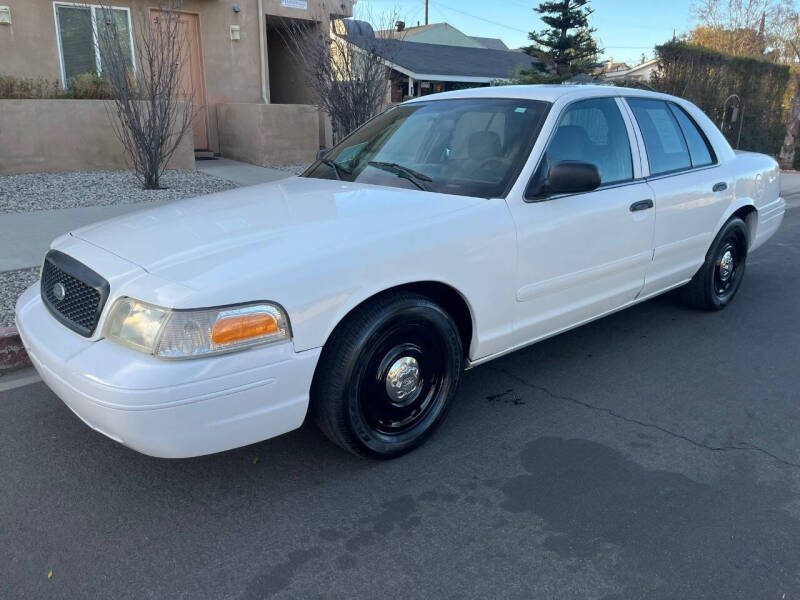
(243, 327)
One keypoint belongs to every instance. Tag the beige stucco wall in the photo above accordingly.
(65, 135)
(28, 47)
(269, 134)
(317, 9)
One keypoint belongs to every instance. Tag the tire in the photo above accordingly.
(387, 376)
(714, 286)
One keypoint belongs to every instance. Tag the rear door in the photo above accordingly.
(583, 255)
(689, 188)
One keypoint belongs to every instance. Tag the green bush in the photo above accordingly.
(707, 78)
(83, 87)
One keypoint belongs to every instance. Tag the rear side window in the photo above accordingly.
(663, 138)
(591, 131)
(698, 145)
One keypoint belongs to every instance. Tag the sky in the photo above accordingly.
(625, 28)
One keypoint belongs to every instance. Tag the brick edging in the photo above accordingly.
(12, 352)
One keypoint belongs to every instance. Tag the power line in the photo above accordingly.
(498, 24)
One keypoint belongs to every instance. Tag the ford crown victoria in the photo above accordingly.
(444, 233)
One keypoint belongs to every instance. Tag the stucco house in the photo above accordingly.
(250, 98)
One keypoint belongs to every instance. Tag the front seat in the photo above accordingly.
(483, 147)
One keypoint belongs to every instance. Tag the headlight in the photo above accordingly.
(169, 333)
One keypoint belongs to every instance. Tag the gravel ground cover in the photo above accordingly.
(47, 191)
(12, 284)
(293, 169)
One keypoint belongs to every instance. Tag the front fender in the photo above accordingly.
(473, 253)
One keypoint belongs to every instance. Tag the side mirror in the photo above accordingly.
(322, 153)
(568, 177)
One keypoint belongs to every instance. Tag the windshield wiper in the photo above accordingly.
(337, 168)
(413, 176)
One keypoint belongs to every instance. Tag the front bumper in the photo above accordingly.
(169, 409)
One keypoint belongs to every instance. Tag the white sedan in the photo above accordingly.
(446, 232)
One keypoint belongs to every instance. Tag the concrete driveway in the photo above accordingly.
(652, 454)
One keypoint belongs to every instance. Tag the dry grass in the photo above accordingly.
(82, 87)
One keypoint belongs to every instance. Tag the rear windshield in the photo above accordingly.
(469, 147)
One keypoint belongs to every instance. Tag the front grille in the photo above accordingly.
(73, 293)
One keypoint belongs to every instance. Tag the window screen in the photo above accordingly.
(77, 40)
(663, 138)
(698, 146)
(105, 19)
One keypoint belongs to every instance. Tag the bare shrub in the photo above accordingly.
(344, 66)
(150, 111)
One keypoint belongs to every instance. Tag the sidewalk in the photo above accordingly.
(25, 237)
(239, 172)
(790, 188)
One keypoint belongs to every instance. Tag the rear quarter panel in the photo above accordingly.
(756, 183)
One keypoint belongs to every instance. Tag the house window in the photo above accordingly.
(78, 28)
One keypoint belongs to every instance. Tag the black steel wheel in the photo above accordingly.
(387, 376)
(716, 283)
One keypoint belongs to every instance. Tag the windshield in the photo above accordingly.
(469, 147)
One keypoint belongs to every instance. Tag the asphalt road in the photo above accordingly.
(652, 454)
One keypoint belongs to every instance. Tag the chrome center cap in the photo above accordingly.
(402, 380)
(726, 266)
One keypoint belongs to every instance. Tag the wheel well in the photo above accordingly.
(451, 301)
(749, 215)
(445, 296)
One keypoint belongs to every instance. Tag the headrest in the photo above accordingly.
(485, 144)
(569, 140)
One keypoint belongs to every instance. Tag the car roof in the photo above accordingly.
(546, 93)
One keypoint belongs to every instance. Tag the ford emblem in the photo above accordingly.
(59, 291)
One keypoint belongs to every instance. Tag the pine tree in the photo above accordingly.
(568, 44)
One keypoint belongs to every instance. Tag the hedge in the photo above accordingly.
(82, 87)
(707, 78)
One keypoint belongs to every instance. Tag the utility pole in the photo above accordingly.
(426, 11)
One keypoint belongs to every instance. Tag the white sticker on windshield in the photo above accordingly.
(521, 110)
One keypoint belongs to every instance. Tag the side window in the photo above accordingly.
(699, 149)
(663, 138)
(592, 131)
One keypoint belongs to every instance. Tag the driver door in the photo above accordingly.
(582, 255)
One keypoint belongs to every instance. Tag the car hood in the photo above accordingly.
(275, 223)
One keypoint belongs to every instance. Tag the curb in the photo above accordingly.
(12, 352)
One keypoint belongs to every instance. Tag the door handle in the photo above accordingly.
(720, 187)
(641, 205)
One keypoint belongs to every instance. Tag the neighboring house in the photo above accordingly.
(440, 33)
(611, 67)
(491, 43)
(641, 72)
(419, 69)
(239, 67)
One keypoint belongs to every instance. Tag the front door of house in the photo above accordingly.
(192, 81)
